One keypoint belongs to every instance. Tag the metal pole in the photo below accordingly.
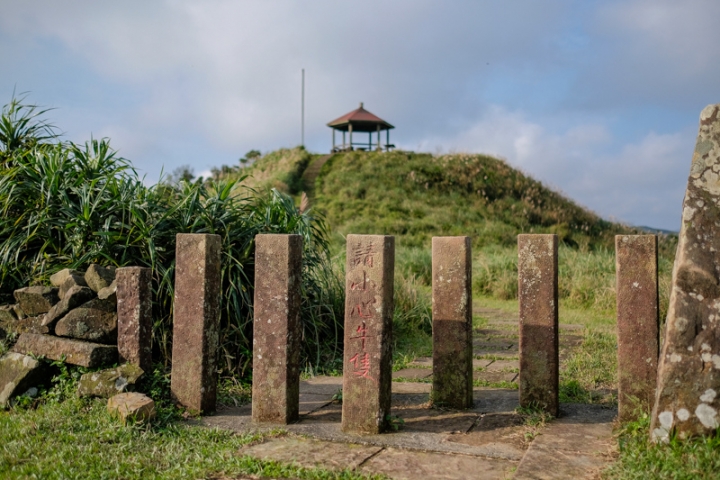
(302, 110)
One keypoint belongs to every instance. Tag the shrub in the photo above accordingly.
(66, 205)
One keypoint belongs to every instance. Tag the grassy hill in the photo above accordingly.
(416, 196)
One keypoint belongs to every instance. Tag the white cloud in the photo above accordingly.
(597, 99)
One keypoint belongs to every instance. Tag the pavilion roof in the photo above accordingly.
(361, 120)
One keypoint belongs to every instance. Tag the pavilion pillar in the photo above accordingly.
(350, 134)
(333, 149)
(343, 139)
(387, 144)
(378, 139)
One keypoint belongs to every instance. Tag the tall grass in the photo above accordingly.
(66, 205)
(586, 278)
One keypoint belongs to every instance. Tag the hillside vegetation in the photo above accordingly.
(417, 195)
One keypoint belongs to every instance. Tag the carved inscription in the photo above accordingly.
(363, 256)
(368, 320)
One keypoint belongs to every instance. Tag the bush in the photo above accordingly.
(66, 205)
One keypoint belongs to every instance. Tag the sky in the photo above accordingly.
(599, 100)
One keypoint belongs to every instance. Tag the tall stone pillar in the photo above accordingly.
(637, 322)
(688, 387)
(134, 308)
(277, 329)
(452, 322)
(538, 299)
(196, 321)
(367, 365)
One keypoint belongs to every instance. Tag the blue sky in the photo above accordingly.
(599, 100)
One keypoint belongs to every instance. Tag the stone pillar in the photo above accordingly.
(367, 366)
(637, 322)
(196, 320)
(688, 388)
(134, 309)
(452, 322)
(538, 299)
(277, 329)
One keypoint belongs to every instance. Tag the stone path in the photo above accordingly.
(312, 171)
(490, 441)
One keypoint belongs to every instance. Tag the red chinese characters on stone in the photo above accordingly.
(362, 285)
(361, 365)
(361, 360)
(363, 255)
(362, 309)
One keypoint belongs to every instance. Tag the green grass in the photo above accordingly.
(78, 439)
(415, 196)
(639, 458)
(59, 435)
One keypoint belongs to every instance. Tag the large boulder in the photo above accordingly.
(73, 298)
(107, 383)
(74, 352)
(98, 277)
(19, 373)
(36, 300)
(132, 406)
(95, 321)
(687, 401)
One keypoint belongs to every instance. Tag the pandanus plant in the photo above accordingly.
(66, 205)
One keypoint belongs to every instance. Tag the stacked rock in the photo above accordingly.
(75, 320)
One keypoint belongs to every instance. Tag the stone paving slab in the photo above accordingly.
(413, 373)
(503, 366)
(310, 402)
(490, 332)
(401, 464)
(486, 441)
(425, 362)
(495, 377)
(481, 363)
(321, 385)
(493, 346)
(576, 445)
(310, 453)
(495, 400)
(505, 355)
(502, 431)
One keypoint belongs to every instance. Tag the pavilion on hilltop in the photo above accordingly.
(360, 120)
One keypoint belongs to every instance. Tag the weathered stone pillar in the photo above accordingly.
(134, 307)
(538, 299)
(452, 322)
(367, 366)
(196, 320)
(688, 388)
(637, 322)
(277, 329)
